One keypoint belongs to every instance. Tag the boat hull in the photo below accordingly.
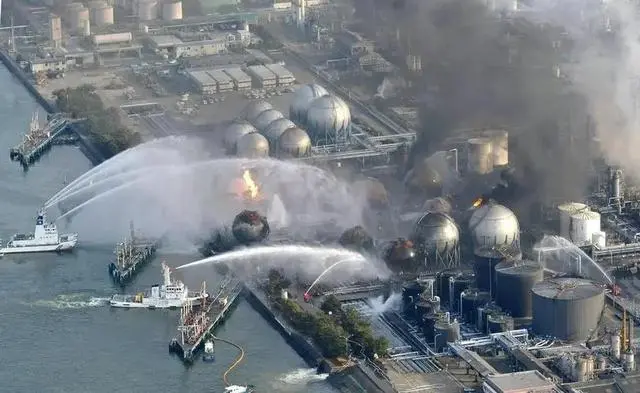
(62, 246)
(163, 304)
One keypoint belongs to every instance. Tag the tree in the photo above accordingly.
(331, 304)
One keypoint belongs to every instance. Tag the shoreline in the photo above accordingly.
(90, 151)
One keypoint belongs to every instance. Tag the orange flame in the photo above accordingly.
(478, 202)
(251, 186)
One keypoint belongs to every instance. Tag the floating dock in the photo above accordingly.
(40, 139)
(196, 323)
(131, 255)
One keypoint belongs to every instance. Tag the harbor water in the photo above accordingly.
(58, 335)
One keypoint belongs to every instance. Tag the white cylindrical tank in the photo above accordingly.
(479, 156)
(599, 239)
(102, 16)
(77, 17)
(615, 346)
(115, 38)
(580, 370)
(172, 10)
(583, 225)
(147, 9)
(566, 210)
(499, 146)
(629, 361)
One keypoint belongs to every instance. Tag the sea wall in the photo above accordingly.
(90, 151)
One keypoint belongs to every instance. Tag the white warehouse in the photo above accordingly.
(204, 82)
(262, 76)
(284, 76)
(224, 81)
(241, 81)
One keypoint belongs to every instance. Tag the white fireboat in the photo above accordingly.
(171, 294)
(44, 238)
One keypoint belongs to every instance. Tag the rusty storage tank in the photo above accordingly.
(250, 227)
(499, 146)
(568, 309)
(514, 282)
(445, 331)
(472, 299)
(400, 255)
(479, 156)
(499, 322)
(483, 315)
(429, 324)
(457, 285)
(442, 284)
(485, 261)
(425, 306)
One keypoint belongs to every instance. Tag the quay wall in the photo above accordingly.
(357, 378)
(92, 153)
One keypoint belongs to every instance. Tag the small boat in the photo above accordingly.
(239, 389)
(209, 352)
(44, 238)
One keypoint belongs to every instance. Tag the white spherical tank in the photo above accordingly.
(302, 98)
(78, 18)
(277, 128)
(583, 225)
(493, 225)
(599, 239)
(102, 16)
(252, 145)
(235, 131)
(254, 109)
(479, 156)
(566, 210)
(499, 146)
(265, 118)
(293, 142)
(147, 9)
(172, 10)
(328, 120)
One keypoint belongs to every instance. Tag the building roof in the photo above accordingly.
(520, 382)
(280, 71)
(262, 72)
(203, 78)
(627, 384)
(237, 74)
(219, 76)
(165, 41)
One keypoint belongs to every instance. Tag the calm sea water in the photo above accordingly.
(56, 334)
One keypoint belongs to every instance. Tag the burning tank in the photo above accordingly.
(400, 255)
(356, 239)
(250, 227)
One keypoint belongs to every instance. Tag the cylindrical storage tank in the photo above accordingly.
(616, 185)
(264, 119)
(254, 109)
(599, 239)
(479, 156)
(424, 307)
(580, 371)
(445, 333)
(472, 299)
(78, 17)
(234, 132)
(172, 10)
(498, 323)
(276, 128)
(591, 365)
(499, 146)
(147, 9)
(115, 38)
(252, 145)
(293, 143)
(457, 285)
(302, 98)
(410, 294)
(615, 346)
(485, 261)
(629, 361)
(601, 363)
(328, 120)
(514, 281)
(583, 225)
(102, 16)
(429, 324)
(567, 308)
(566, 210)
(483, 315)
(442, 284)
(493, 225)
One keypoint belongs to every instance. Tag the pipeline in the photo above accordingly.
(235, 363)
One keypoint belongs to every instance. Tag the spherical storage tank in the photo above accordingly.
(567, 308)
(250, 227)
(494, 224)
(486, 259)
(328, 120)
(293, 142)
(265, 118)
(400, 255)
(234, 131)
(252, 145)
(479, 156)
(276, 127)
(147, 9)
(376, 193)
(514, 281)
(302, 98)
(357, 239)
(566, 210)
(254, 109)
(102, 16)
(583, 226)
(172, 10)
(436, 236)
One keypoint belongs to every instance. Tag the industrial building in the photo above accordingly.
(519, 382)
(262, 76)
(241, 81)
(224, 81)
(204, 82)
(284, 77)
(175, 47)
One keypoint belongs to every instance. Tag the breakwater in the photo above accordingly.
(88, 148)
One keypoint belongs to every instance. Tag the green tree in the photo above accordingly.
(331, 304)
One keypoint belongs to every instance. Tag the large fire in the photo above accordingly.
(478, 202)
(251, 188)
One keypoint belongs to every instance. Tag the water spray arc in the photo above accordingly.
(325, 272)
